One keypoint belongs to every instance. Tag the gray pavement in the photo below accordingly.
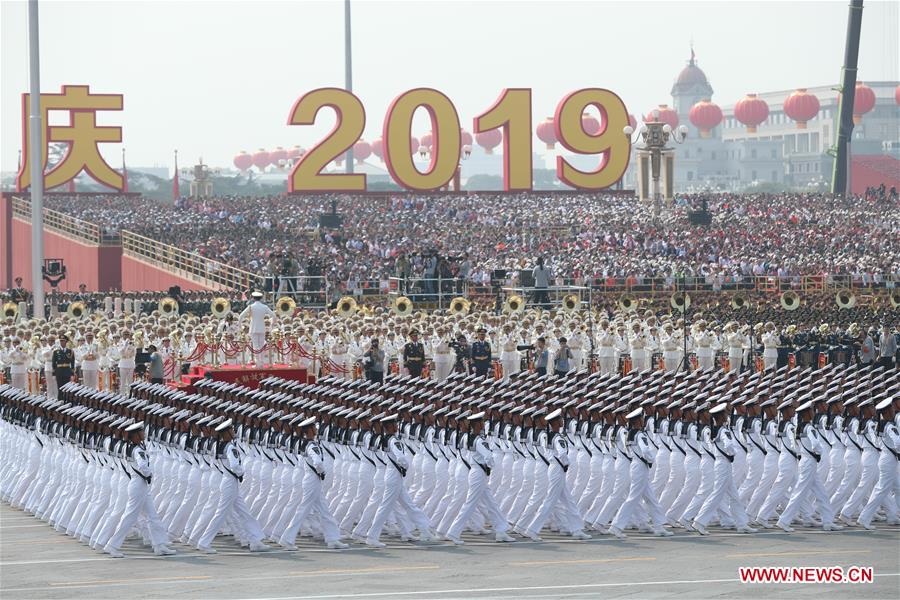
(38, 562)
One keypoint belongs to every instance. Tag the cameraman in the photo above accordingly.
(373, 362)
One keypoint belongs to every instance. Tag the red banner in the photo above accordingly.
(250, 377)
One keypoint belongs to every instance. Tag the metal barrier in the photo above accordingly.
(65, 225)
(308, 291)
(758, 283)
(189, 265)
(549, 297)
(428, 290)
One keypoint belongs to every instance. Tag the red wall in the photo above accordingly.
(98, 267)
(138, 275)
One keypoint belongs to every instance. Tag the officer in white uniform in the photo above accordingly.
(257, 312)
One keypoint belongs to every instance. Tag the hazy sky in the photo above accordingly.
(214, 78)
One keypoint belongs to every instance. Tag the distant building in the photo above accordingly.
(733, 158)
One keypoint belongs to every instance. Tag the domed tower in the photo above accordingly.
(690, 88)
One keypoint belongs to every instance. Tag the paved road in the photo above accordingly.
(38, 562)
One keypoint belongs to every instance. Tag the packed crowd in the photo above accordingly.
(581, 236)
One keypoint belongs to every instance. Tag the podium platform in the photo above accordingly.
(247, 376)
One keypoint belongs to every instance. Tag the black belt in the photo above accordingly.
(874, 447)
(695, 451)
(330, 453)
(546, 462)
(852, 441)
(825, 439)
(761, 449)
(239, 478)
(816, 456)
(565, 468)
(730, 457)
(646, 462)
(680, 449)
(429, 452)
(791, 452)
(400, 469)
(314, 470)
(743, 447)
(895, 453)
(38, 440)
(468, 466)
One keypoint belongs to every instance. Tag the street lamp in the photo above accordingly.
(654, 137)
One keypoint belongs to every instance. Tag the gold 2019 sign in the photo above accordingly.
(510, 115)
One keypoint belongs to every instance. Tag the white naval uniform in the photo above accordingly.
(313, 499)
(478, 494)
(139, 503)
(257, 312)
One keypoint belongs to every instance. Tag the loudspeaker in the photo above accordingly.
(331, 221)
(699, 217)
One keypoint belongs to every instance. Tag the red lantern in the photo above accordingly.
(705, 115)
(589, 124)
(632, 122)
(465, 138)
(663, 114)
(278, 156)
(801, 107)
(427, 140)
(489, 140)
(413, 144)
(546, 132)
(897, 95)
(863, 101)
(751, 111)
(361, 151)
(295, 153)
(261, 160)
(243, 161)
(378, 148)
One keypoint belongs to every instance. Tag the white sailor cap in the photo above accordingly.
(553, 414)
(135, 426)
(883, 404)
(441, 411)
(389, 418)
(805, 405)
(718, 408)
(256, 295)
(223, 425)
(635, 413)
(307, 422)
(476, 416)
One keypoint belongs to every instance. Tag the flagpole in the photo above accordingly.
(348, 73)
(37, 164)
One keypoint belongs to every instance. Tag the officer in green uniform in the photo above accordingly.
(63, 362)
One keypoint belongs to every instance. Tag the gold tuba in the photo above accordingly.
(459, 306)
(895, 298)
(220, 307)
(845, 298)
(739, 301)
(628, 303)
(571, 302)
(790, 300)
(285, 307)
(346, 306)
(514, 304)
(402, 306)
(168, 306)
(680, 301)
(10, 309)
(76, 310)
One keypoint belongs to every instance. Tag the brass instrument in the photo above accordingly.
(790, 300)
(628, 303)
(138, 338)
(220, 307)
(76, 310)
(460, 306)
(739, 301)
(680, 301)
(10, 310)
(895, 298)
(514, 304)
(845, 298)
(571, 303)
(402, 306)
(346, 306)
(285, 307)
(168, 306)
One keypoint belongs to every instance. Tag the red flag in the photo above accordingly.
(124, 174)
(175, 193)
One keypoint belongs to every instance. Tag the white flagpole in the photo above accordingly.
(37, 166)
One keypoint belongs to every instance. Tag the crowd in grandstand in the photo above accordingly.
(581, 236)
